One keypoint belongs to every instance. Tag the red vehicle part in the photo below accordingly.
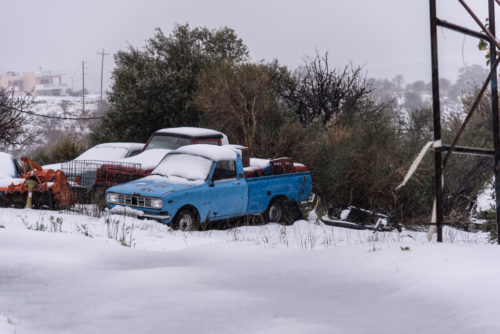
(110, 175)
(52, 189)
(300, 168)
(282, 166)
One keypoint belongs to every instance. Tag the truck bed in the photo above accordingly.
(295, 186)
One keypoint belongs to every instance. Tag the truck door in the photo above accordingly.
(226, 192)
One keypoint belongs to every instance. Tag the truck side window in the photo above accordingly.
(224, 170)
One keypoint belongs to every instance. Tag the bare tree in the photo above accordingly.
(321, 92)
(14, 116)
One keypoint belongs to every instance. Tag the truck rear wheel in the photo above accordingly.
(185, 221)
(292, 212)
(283, 211)
(274, 212)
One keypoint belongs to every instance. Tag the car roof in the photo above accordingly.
(192, 132)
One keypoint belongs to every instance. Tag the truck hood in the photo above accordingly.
(153, 186)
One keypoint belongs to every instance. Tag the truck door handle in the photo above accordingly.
(238, 182)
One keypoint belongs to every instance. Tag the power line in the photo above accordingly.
(58, 117)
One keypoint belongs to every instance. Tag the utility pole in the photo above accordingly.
(83, 86)
(102, 66)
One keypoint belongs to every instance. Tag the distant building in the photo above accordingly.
(36, 83)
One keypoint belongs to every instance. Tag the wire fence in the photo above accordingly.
(89, 179)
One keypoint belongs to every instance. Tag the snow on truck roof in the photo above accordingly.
(193, 132)
(212, 152)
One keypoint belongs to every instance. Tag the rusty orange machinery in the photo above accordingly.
(52, 189)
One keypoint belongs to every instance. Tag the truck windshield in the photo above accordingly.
(167, 142)
(184, 166)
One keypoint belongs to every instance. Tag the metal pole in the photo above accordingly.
(102, 66)
(438, 163)
(83, 86)
(494, 110)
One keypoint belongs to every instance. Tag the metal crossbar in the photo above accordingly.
(488, 34)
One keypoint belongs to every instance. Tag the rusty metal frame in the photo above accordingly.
(487, 34)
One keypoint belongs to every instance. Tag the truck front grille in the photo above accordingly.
(140, 201)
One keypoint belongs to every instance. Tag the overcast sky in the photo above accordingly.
(386, 37)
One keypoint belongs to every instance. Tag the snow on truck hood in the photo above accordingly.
(153, 185)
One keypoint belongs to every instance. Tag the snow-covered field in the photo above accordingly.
(63, 273)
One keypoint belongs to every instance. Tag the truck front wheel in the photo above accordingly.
(185, 221)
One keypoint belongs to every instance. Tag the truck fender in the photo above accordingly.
(189, 207)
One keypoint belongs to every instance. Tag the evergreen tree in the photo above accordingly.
(153, 87)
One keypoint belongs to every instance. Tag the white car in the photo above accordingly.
(104, 152)
(10, 170)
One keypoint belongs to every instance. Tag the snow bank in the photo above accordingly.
(234, 282)
(125, 210)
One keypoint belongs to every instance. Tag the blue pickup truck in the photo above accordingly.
(197, 184)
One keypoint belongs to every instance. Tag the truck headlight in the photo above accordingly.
(156, 203)
(112, 198)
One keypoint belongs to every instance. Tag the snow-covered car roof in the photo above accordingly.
(121, 145)
(109, 151)
(212, 152)
(192, 132)
(103, 152)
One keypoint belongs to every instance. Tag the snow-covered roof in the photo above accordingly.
(212, 152)
(192, 132)
(120, 145)
(108, 151)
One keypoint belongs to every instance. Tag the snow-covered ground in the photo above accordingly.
(64, 273)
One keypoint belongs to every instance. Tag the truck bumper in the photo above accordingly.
(161, 217)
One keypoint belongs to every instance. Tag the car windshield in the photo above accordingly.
(185, 166)
(167, 142)
(103, 153)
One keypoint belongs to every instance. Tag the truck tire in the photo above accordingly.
(291, 212)
(274, 212)
(185, 221)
